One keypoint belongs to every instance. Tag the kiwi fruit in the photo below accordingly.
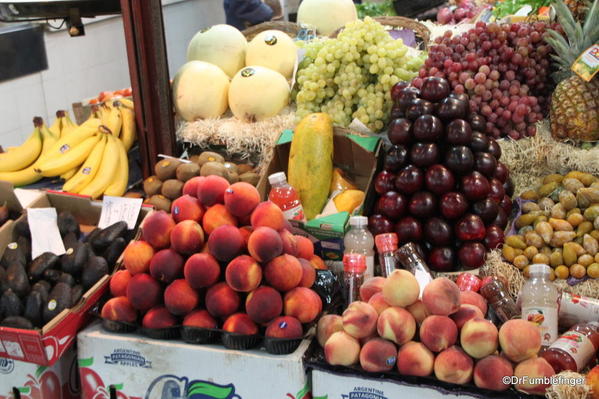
(187, 170)
(244, 168)
(250, 177)
(166, 169)
(195, 158)
(160, 202)
(152, 186)
(172, 189)
(213, 168)
(209, 156)
(231, 166)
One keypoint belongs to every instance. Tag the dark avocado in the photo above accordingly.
(114, 250)
(39, 265)
(34, 305)
(16, 322)
(59, 300)
(10, 304)
(95, 269)
(17, 280)
(108, 235)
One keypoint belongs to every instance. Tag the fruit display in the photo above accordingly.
(221, 260)
(111, 95)
(455, 343)
(558, 226)
(326, 16)
(34, 291)
(175, 177)
(351, 76)
(465, 10)
(443, 185)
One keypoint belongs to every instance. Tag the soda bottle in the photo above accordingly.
(358, 240)
(540, 302)
(574, 349)
(285, 197)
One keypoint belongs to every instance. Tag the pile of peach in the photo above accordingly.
(444, 334)
(222, 259)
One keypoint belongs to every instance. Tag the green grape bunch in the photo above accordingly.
(350, 77)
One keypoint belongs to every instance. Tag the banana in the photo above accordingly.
(56, 126)
(126, 103)
(106, 171)
(121, 178)
(67, 175)
(112, 118)
(24, 155)
(86, 173)
(55, 166)
(77, 136)
(128, 131)
(67, 124)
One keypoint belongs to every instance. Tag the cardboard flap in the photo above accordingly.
(7, 194)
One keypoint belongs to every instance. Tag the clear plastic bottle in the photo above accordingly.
(574, 349)
(540, 299)
(386, 245)
(354, 266)
(577, 309)
(358, 240)
(285, 196)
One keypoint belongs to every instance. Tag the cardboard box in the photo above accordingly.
(47, 345)
(10, 197)
(21, 380)
(358, 156)
(139, 367)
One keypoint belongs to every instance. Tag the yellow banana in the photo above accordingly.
(75, 137)
(126, 103)
(128, 131)
(24, 155)
(67, 124)
(106, 171)
(121, 178)
(55, 166)
(56, 126)
(69, 174)
(88, 170)
(112, 118)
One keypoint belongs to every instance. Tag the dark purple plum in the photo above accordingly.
(485, 163)
(478, 122)
(405, 97)
(459, 132)
(501, 219)
(396, 158)
(501, 172)
(475, 186)
(497, 191)
(378, 224)
(392, 205)
(397, 88)
(384, 181)
(439, 179)
(423, 205)
(424, 154)
(494, 237)
(409, 180)
(494, 149)
(400, 131)
(453, 205)
(508, 186)
(506, 204)
(459, 159)
(470, 228)
(487, 210)
(434, 89)
(437, 232)
(428, 128)
(396, 113)
(452, 108)
(480, 142)
(441, 259)
(408, 229)
(472, 255)
(463, 97)
(418, 108)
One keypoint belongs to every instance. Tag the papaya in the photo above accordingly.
(311, 162)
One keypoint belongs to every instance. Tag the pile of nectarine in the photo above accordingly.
(444, 333)
(220, 259)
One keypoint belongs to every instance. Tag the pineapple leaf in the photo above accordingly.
(591, 22)
(566, 19)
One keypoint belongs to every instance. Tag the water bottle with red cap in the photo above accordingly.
(354, 267)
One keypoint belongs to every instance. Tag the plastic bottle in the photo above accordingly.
(358, 240)
(574, 349)
(499, 299)
(285, 196)
(354, 266)
(540, 302)
(577, 309)
(386, 245)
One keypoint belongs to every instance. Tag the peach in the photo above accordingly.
(156, 229)
(200, 318)
(419, 311)
(221, 300)
(187, 237)
(479, 338)
(465, 313)
(264, 304)
(377, 301)
(378, 355)
(303, 304)
(119, 309)
(397, 325)
(474, 298)
(158, 317)
(401, 288)
(370, 287)
(415, 359)
(119, 282)
(191, 186)
(308, 273)
(246, 232)
(519, 339)
(201, 270)
(166, 265)
(225, 243)
(327, 326)
(359, 319)
(137, 257)
(265, 244)
(180, 298)
(187, 207)
(490, 372)
(318, 263)
(453, 365)
(243, 274)
(283, 272)
(289, 242)
(531, 373)
(216, 216)
(240, 323)
(341, 349)
(268, 214)
(592, 380)
(441, 297)
(305, 247)
(144, 292)
(211, 190)
(285, 327)
(241, 199)
(438, 333)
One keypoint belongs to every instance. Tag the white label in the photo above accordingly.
(119, 209)
(14, 349)
(577, 309)
(45, 236)
(369, 267)
(296, 213)
(546, 319)
(576, 345)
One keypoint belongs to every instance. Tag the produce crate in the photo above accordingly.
(358, 156)
(9, 197)
(114, 365)
(46, 346)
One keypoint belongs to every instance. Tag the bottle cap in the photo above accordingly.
(386, 242)
(539, 268)
(468, 282)
(278, 177)
(358, 221)
(354, 263)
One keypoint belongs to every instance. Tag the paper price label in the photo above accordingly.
(117, 209)
(45, 236)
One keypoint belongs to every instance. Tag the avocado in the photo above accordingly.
(22, 227)
(67, 224)
(95, 269)
(52, 276)
(13, 253)
(66, 278)
(25, 244)
(70, 240)
(16, 278)
(39, 265)
(92, 234)
(114, 250)
(108, 235)
(75, 258)
(3, 280)
(76, 294)
(16, 322)
(33, 308)
(43, 287)
(10, 304)
(59, 300)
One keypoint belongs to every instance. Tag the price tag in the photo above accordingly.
(587, 64)
(117, 209)
(45, 236)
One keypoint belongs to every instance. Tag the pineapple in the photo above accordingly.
(578, 8)
(574, 104)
